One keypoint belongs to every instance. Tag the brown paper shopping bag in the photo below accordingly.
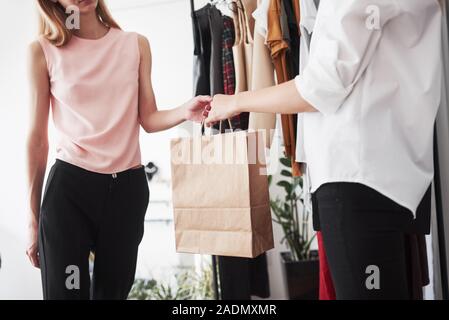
(220, 195)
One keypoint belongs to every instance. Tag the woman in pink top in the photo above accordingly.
(97, 80)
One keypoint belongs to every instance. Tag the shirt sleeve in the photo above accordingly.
(345, 38)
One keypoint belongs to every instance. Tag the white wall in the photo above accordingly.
(17, 27)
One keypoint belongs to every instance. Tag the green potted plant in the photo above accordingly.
(189, 285)
(300, 264)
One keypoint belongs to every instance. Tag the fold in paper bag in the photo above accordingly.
(220, 195)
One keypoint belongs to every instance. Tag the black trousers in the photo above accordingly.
(364, 239)
(84, 212)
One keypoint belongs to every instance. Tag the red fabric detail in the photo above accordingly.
(327, 291)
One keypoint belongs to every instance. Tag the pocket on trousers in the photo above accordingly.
(145, 200)
(146, 193)
(49, 185)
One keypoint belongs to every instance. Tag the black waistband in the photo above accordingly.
(68, 166)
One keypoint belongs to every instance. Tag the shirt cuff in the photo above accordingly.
(326, 101)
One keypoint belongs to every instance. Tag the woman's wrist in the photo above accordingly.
(184, 112)
(238, 103)
(33, 223)
(33, 217)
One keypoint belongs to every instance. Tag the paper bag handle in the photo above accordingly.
(220, 128)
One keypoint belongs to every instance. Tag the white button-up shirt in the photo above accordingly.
(374, 74)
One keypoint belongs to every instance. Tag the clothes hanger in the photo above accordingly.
(233, 5)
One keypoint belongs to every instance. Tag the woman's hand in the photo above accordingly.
(33, 248)
(284, 99)
(195, 108)
(222, 107)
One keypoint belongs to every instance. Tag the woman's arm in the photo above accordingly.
(283, 98)
(151, 119)
(37, 142)
(344, 42)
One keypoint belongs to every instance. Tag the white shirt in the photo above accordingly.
(307, 24)
(377, 93)
(260, 16)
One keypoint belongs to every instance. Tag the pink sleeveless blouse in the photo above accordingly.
(94, 100)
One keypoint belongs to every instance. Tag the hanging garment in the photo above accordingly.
(260, 16)
(416, 249)
(216, 62)
(263, 75)
(227, 56)
(440, 241)
(250, 6)
(201, 55)
(208, 41)
(292, 35)
(208, 28)
(297, 10)
(293, 32)
(228, 65)
(241, 278)
(243, 49)
(243, 53)
(278, 47)
(417, 265)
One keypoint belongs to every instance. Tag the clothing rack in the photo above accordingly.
(233, 7)
(215, 282)
(232, 4)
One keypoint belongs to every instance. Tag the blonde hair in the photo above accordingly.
(53, 17)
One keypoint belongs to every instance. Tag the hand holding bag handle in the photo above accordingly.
(220, 127)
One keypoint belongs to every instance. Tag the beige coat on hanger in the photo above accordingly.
(242, 50)
(262, 77)
(250, 6)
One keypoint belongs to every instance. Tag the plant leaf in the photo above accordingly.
(286, 173)
(286, 185)
(286, 162)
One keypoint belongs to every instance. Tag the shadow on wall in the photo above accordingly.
(18, 279)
